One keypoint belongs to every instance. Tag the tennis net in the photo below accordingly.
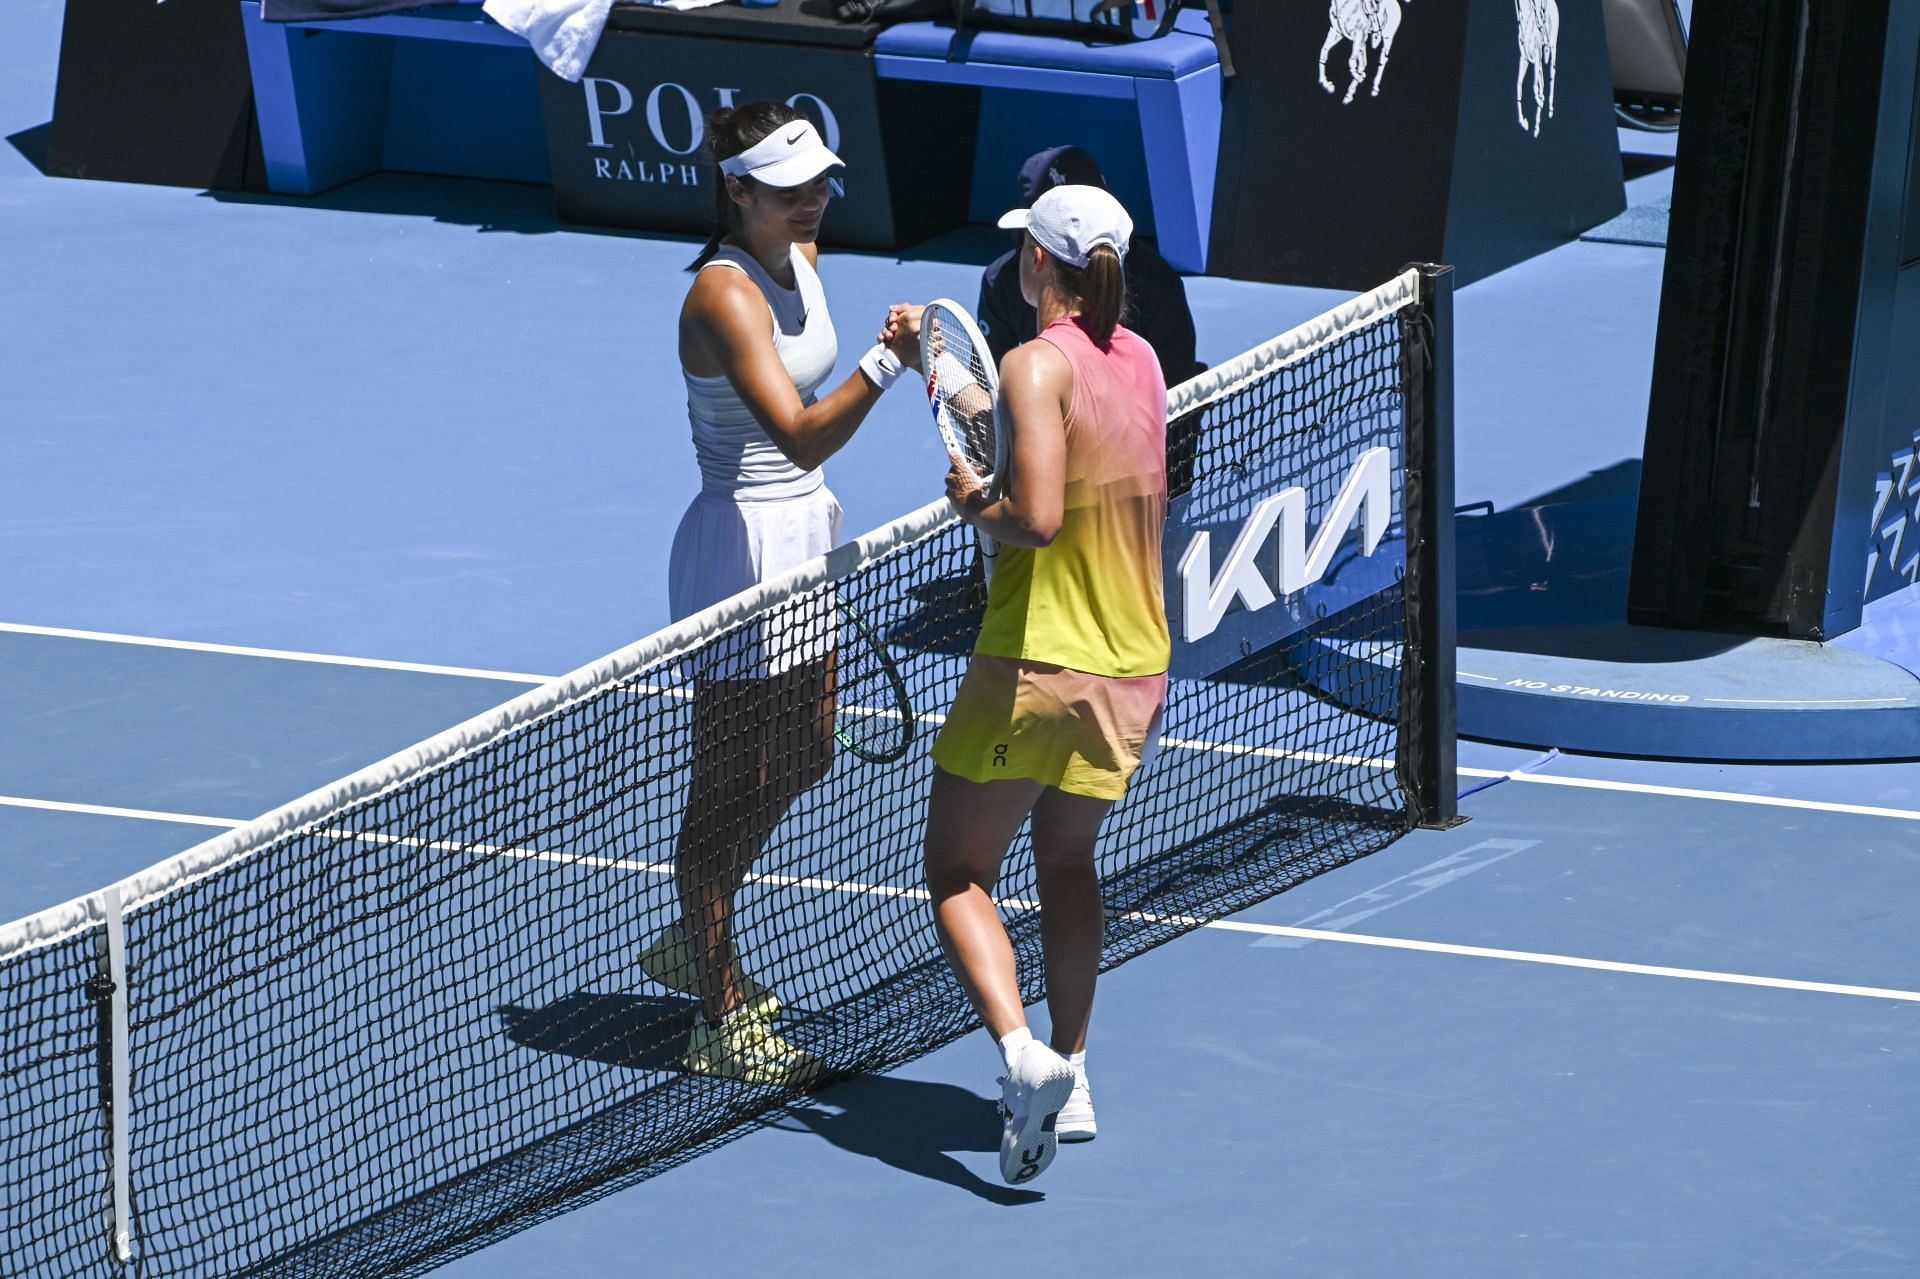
(403, 1015)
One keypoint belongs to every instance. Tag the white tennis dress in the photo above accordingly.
(757, 514)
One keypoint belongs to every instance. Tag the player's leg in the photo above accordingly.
(800, 747)
(721, 828)
(1072, 928)
(969, 827)
(1072, 919)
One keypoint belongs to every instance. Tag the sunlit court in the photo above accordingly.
(875, 637)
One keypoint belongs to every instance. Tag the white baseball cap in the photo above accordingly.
(789, 156)
(1070, 222)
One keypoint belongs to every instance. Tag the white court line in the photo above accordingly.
(1683, 792)
(665, 869)
(1571, 961)
(1235, 926)
(1731, 797)
(279, 654)
(1491, 679)
(924, 717)
(103, 810)
(1537, 779)
(1803, 701)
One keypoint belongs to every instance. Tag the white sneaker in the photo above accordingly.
(1030, 1097)
(1076, 1117)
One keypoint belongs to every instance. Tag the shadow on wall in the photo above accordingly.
(1559, 559)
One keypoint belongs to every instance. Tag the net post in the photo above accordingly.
(109, 988)
(1427, 754)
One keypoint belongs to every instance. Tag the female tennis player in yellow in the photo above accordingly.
(756, 345)
(1062, 697)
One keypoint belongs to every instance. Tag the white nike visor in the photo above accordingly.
(790, 156)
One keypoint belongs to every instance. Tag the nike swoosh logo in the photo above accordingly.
(796, 135)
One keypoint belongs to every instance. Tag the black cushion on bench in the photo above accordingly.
(789, 22)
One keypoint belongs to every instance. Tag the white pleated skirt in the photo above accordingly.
(723, 547)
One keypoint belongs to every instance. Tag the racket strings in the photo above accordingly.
(961, 386)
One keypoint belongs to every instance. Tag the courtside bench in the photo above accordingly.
(1174, 83)
(446, 90)
(442, 90)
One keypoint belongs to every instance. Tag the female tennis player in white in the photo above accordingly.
(1062, 697)
(756, 344)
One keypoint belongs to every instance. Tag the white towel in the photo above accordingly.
(563, 33)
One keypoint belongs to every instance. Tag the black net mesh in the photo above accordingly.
(424, 1020)
(53, 1148)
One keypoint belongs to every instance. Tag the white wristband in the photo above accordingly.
(880, 365)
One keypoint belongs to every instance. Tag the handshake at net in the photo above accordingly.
(900, 333)
(957, 370)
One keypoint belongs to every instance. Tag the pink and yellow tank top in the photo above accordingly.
(1092, 599)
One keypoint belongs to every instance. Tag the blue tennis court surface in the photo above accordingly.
(287, 486)
(1267, 1097)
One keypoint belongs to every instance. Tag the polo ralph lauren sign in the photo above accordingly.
(628, 142)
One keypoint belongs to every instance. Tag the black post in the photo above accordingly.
(1428, 719)
(1783, 380)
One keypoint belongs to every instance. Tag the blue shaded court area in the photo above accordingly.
(1421, 1062)
(291, 485)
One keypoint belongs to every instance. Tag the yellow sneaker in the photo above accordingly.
(746, 1047)
(668, 962)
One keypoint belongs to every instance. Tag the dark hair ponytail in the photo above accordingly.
(729, 132)
(1101, 286)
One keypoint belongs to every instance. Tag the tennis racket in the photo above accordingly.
(873, 716)
(963, 389)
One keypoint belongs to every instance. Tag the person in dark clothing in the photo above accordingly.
(1156, 298)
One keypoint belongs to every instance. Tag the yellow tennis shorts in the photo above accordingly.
(1080, 733)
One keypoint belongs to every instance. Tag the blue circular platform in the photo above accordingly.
(1629, 690)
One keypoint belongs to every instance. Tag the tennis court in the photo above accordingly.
(1340, 1107)
(266, 525)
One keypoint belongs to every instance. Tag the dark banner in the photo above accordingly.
(155, 93)
(1364, 134)
(628, 142)
(1780, 493)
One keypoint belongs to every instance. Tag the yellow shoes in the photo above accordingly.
(747, 1048)
(668, 962)
(744, 1046)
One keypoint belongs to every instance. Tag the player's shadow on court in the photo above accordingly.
(911, 1125)
(908, 1124)
(640, 1032)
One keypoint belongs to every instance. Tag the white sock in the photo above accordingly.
(1079, 1063)
(1011, 1045)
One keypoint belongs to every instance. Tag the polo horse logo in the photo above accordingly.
(1539, 22)
(1361, 23)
